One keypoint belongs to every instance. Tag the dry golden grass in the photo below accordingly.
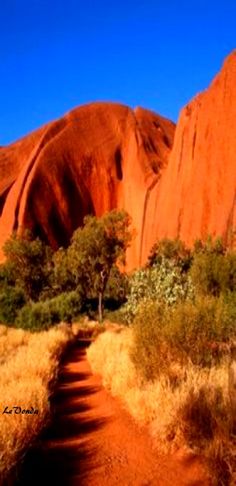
(88, 329)
(193, 413)
(28, 367)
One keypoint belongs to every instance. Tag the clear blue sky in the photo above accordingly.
(55, 55)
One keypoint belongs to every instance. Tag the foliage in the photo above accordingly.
(198, 331)
(171, 250)
(163, 282)
(206, 426)
(201, 331)
(117, 287)
(210, 245)
(86, 268)
(148, 352)
(180, 344)
(97, 246)
(190, 410)
(37, 316)
(63, 277)
(66, 306)
(11, 300)
(41, 315)
(95, 249)
(6, 276)
(213, 269)
(28, 264)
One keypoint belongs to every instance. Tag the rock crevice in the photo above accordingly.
(104, 155)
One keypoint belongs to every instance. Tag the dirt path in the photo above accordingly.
(93, 441)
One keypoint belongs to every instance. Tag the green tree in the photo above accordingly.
(28, 264)
(11, 301)
(95, 248)
(117, 287)
(63, 278)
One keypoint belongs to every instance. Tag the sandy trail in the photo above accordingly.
(93, 441)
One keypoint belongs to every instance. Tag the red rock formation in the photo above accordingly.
(102, 156)
(96, 158)
(197, 192)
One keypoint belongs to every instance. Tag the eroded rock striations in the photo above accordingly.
(97, 157)
(104, 155)
(197, 192)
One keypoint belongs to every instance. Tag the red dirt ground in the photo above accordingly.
(93, 441)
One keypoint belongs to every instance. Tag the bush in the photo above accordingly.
(66, 306)
(199, 332)
(11, 301)
(117, 288)
(148, 352)
(213, 269)
(206, 427)
(173, 250)
(41, 315)
(37, 316)
(28, 264)
(163, 282)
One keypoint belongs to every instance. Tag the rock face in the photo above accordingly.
(104, 156)
(197, 192)
(96, 158)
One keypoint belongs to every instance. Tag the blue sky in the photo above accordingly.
(55, 55)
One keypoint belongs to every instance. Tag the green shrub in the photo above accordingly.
(197, 331)
(210, 245)
(66, 306)
(163, 282)
(11, 301)
(117, 287)
(172, 250)
(37, 316)
(148, 352)
(28, 264)
(213, 269)
(42, 315)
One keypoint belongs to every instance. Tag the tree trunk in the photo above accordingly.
(104, 277)
(100, 295)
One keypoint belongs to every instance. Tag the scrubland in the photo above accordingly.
(28, 369)
(188, 407)
(170, 366)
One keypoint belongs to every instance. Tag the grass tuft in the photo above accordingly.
(192, 411)
(28, 370)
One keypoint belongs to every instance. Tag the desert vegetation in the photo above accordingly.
(39, 288)
(28, 371)
(171, 364)
(169, 359)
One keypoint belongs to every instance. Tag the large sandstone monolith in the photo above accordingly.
(103, 156)
(97, 157)
(197, 192)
